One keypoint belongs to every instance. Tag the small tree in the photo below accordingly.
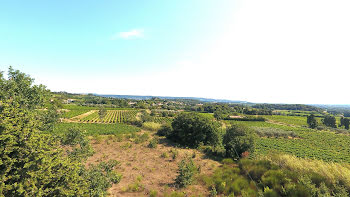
(220, 115)
(329, 121)
(237, 140)
(102, 112)
(187, 170)
(346, 123)
(341, 121)
(311, 121)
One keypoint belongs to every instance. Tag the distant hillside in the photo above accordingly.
(136, 97)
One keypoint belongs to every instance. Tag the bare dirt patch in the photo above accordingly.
(147, 166)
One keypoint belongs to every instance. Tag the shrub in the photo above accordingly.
(238, 139)
(153, 193)
(165, 130)
(141, 138)
(190, 129)
(164, 155)
(174, 153)
(213, 192)
(73, 136)
(187, 170)
(153, 143)
(101, 177)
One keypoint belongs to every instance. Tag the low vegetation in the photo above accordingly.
(97, 129)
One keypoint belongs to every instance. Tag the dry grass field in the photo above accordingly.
(149, 170)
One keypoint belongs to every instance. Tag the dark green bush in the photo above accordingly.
(101, 177)
(191, 129)
(237, 140)
(153, 143)
(165, 130)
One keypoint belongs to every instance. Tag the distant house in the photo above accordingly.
(131, 103)
(68, 101)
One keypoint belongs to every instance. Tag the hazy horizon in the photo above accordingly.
(255, 51)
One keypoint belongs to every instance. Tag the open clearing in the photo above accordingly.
(154, 172)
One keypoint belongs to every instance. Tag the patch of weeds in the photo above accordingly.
(153, 143)
(119, 138)
(175, 194)
(141, 138)
(126, 145)
(137, 186)
(194, 155)
(174, 153)
(213, 192)
(153, 193)
(135, 168)
(98, 139)
(164, 155)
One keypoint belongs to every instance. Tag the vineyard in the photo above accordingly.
(323, 145)
(112, 116)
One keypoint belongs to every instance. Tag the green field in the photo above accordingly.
(162, 120)
(97, 129)
(78, 107)
(112, 116)
(323, 145)
(290, 120)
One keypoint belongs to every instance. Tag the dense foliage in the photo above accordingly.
(237, 140)
(191, 129)
(31, 162)
(287, 107)
(311, 121)
(330, 121)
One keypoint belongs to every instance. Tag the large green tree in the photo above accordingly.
(311, 121)
(330, 121)
(191, 129)
(31, 161)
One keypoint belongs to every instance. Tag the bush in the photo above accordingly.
(174, 153)
(191, 129)
(187, 170)
(73, 136)
(237, 140)
(151, 126)
(101, 177)
(153, 143)
(153, 193)
(141, 138)
(165, 130)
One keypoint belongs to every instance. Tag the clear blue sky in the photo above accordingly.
(260, 51)
(56, 36)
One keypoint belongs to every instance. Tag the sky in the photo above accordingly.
(269, 51)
